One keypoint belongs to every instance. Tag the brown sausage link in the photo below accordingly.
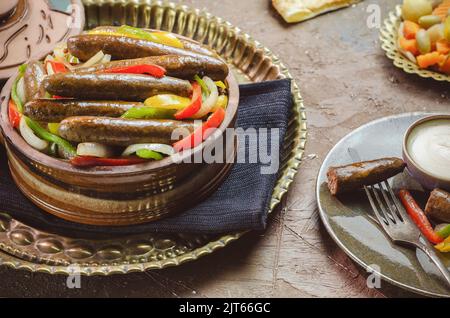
(177, 66)
(120, 131)
(188, 44)
(129, 87)
(120, 47)
(354, 176)
(33, 77)
(56, 110)
(438, 205)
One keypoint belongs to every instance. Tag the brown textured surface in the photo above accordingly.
(346, 81)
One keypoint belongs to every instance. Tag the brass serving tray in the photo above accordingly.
(24, 247)
(388, 38)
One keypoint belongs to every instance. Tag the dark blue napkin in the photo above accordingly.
(241, 202)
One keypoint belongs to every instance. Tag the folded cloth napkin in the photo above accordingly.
(241, 202)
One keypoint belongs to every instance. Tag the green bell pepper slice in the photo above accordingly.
(444, 232)
(44, 134)
(149, 154)
(14, 95)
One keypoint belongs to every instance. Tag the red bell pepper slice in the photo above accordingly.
(195, 105)
(14, 114)
(150, 69)
(88, 161)
(58, 67)
(419, 217)
(201, 133)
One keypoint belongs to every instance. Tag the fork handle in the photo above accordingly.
(428, 249)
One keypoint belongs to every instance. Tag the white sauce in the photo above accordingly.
(429, 147)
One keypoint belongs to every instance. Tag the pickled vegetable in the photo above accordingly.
(410, 29)
(435, 3)
(443, 46)
(447, 28)
(436, 33)
(423, 41)
(445, 66)
(427, 21)
(412, 10)
(409, 46)
(442, 9)
(429, 59)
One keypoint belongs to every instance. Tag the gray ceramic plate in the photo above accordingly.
(349, 220)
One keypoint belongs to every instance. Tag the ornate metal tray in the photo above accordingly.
(388, 38)
(24, 247)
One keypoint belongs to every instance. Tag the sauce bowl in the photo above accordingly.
(429, 180)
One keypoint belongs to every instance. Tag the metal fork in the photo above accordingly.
(396, 223)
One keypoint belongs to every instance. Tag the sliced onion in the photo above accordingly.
(49, 69)
(161, 148)
(94, 60)
(209, 103)
(94, 149)
(58, 52)
(29, 136)
(400, 30)
(20, 90)
(407, 54)
(106, 59)
(49, 58)
(410, 56)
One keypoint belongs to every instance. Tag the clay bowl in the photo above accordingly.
(427, 180)
(119, 195)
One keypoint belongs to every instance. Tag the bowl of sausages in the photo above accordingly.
(111, 127)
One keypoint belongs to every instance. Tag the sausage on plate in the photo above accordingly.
(122, 132)
(175, 65)
(85, 46)
(438, 205)
(108, 86)
(33, 78)
(55, 110)
(354, 176)
(188, 44)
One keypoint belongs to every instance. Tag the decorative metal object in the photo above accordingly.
(32, 28)
(25, 247)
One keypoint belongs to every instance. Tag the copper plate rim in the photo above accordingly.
(388, 38)
(18, 259)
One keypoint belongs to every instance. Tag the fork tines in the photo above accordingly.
(385, 206)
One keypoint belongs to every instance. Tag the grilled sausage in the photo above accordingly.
(188, 44)
(120, 47)
(33, 77)
(177, 66)
(438, 205)
(354, 176)
(120, 131)
(129, 87)
(55, 110)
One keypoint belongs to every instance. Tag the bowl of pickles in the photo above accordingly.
(424, 34)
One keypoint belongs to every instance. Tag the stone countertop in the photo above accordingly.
(346, 81)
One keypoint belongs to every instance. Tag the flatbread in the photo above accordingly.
(300, 10)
